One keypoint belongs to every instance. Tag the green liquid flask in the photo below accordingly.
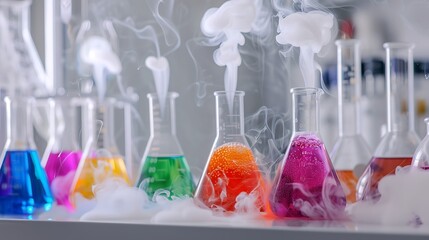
(164, 168)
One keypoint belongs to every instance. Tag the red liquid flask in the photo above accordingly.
(399, 143)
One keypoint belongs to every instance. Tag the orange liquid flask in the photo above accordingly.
(350, 150)
(400, 142)
(231, 169)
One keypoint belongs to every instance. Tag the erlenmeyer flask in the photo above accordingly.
(421, 156)
(106, 161)
(164, 167)
(399, 143)
(25, 187)
(20, 65)
(231, 168)
(306, 184)
(66, 153)
(351, 152)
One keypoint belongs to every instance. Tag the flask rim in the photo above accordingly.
(223, 93)
(347, 42)
(169, 95)
(398, 45)
(306, 90)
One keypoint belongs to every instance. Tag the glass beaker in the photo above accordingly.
(21, 68)
(399, 143)
(66, 152)
(105, 161)
(306, 184)
(24, 184)
(164, 166)
(231, 168)
(421, 156)
(350, 152)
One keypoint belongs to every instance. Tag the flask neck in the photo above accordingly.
(66, 127)
(400, 88)
(106, 127)
(229, 117)
(19, 124)
(162, 120)
(306, 109)
(349, 87)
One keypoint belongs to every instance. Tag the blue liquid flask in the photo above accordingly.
(24, 186)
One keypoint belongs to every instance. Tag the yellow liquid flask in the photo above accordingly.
(351, 152)
(105, 162)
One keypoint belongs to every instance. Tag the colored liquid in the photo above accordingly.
(24, 184)
(306, 185)
(375, 171)
(167, 173)
(96, 170)
(231, 170)
(61, 168)
(348, 181)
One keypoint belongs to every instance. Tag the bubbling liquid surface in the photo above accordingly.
(231, 170)
(307, 186)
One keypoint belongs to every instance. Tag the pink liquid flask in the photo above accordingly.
(306, 185)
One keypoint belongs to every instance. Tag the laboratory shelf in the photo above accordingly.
(11, 229)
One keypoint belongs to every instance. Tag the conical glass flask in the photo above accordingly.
(20, 65)
(66, 152)
(351, 152)
(399, 143)
(105, 161)
(24, 184)
(306, 184)
(421, 156)
(231, 169)
(164, 167)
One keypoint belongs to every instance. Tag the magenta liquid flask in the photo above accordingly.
(25, 187)
(306, 185)
(397, 146)
(65, 153)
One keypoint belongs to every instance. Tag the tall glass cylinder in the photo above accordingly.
(399, 143)
(164, 166)
(351, 151)
(306, 185)
(231, 169)
(25, 188)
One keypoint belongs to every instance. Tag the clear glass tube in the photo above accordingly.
(25, 188)
(350, 152)
(421, 156)
(306, 185)
(164, 166)
(231, 169)
(104, 160)
(399, 143)
(23, 71)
